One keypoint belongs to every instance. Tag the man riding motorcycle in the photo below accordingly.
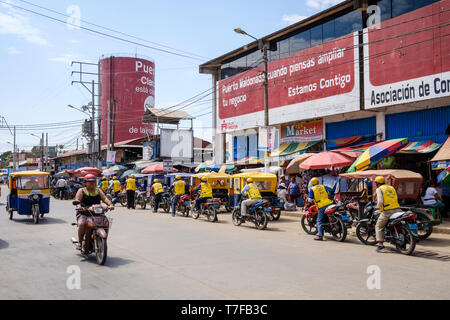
(387, 203)
(104, 184)
(319, 195)
(254, 196)
(179, 187)
(205, 193)
(88, 196)
(116, 187)
(158, 190)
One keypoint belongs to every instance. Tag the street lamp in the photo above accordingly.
(263, 46)
(92, 134)
(83, 109)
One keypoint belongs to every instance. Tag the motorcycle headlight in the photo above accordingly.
(35, 197)
(98, 210)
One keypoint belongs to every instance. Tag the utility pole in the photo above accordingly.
(3, 124)
(96, 157)
(42, 152)
(47, 163)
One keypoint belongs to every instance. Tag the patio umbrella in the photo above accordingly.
(108, 172)
(202, 166)
(294, 165)
(378, 152)
(81, 172)
(444, 175)
(62, 174)
(326, 160)
(118, 168)
(156, 168)
(128, 173)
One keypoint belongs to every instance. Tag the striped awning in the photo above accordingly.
(291, 150)
(420, 147)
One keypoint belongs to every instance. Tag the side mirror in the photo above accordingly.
(76, 202)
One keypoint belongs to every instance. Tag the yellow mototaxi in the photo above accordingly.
(267, 184)
(220, 183)
(29, 194)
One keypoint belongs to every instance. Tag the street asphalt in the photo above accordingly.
(157, 256)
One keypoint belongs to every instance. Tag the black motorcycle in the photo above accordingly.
(400, 231)
(256, 214)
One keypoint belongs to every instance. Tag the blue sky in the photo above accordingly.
(35, 52)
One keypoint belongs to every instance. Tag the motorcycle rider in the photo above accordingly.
(254, 196)
(116, 187)
(319, 195)
(387, 203)
(104, 184)
(131, 192)
(88, 196)
(179, 187)
(158, 191)
(205, 193)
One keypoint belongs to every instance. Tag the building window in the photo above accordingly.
(348, 23)
(400, 7)
(316, 36)
(385, 8)
(300, 41)
(328, 31)
(284, 48)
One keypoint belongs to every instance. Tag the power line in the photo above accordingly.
(102, 33)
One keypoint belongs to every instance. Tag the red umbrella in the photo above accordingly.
(81, 172)
(326, 160)
(156, 168)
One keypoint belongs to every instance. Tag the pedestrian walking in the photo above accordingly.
(131, 191)
(61, 185)
(294, 190)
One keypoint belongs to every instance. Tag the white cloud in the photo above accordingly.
(289, 19)
(74, 41)
(321, 4)
(15, 23)
(65, 58)
(14, 50)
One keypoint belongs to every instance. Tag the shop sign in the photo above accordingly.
(304, 131)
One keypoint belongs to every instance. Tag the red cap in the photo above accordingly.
(90, 177)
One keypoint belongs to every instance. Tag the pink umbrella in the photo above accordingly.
(327, 160)
(156, 168)
(81, 172)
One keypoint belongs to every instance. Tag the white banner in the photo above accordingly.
(111, 157)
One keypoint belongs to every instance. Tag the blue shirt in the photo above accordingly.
(246, 189)
(294, 188)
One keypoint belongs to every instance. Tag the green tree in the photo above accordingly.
(5, 159)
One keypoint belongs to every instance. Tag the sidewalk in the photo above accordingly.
(444, 227)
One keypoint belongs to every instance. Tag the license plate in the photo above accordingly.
(267, 209)
(344, 218)
(188, 202)
(216, 205)
(413, 227)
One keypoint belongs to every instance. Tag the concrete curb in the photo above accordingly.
(298, 214)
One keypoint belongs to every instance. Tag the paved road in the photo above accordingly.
(155, 256)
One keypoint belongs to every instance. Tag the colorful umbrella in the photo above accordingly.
(294, 165)
(443, 176)
(128, 173)
(108, 172)
(156, 168)
(81, 172)
(118, 168)
(326, 160)
(378, 152)
(202, 166)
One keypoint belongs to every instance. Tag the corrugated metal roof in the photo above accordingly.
(166, 116)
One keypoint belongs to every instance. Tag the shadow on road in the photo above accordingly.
(435, 242)
(44, 221)
(114, 262)
(3, 244)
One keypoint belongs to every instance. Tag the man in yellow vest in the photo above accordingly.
(131, 191)
(387, 203)
(319, 195)
(254, 196)
(205, 193)
(116, 187)
(104, 184)
(158, 190)
(179, 187)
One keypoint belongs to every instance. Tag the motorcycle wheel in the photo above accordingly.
(10, 214)
(212, 214)
(424, 232)
(408, 242)
(366, 234)
(195, 214)
(338, 231)
(235, 216)
(35, 213)
(276, 215)
(260, 219)
(309, 225)
(123, 201)
(102, 250)
(166, 205)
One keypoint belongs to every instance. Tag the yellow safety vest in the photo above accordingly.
(206, 191)
(104, 185)
(131, 184)
(253, 191)
(116, 185)
(390, 199)
(158, 188)
(321, 196)
(180, 187)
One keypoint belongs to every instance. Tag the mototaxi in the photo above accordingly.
(219, 183)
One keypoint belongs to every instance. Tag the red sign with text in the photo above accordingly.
(304, 131)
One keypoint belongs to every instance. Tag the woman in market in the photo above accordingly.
(294, 191)
(431, 197)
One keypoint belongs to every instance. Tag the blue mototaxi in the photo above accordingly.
(29, 194)
(170, 179)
